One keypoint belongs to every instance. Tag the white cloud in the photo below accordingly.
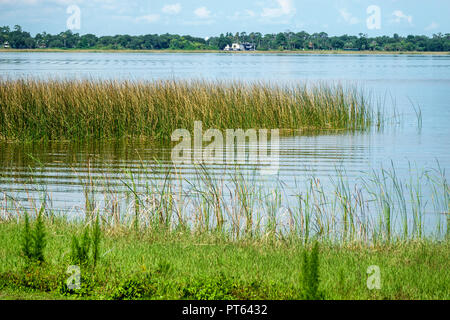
(172, 8)
(432, 26)
(348, 17)
(399, 16)
(286, 7)
(246, 14)
(202, 12)
(148, 18)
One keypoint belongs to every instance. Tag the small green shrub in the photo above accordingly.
(247, 291)
(310, 279)
(135, 288)
(34, 241)
(39, 237)
(86, 287)
(27, 239)
(220, 288)
(34, 278)
(81, 247)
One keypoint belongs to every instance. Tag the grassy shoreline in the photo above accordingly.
(337, 52)
(154, 247)
(182, 266)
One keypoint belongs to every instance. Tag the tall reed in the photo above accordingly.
(86, 109)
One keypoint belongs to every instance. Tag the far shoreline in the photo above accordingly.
(324, 52)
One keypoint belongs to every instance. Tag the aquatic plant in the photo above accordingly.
(87, 109)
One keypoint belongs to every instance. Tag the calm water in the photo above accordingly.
(396, 80)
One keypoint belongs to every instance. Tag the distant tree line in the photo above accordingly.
(19, 39)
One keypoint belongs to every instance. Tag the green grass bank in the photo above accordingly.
(184, 266)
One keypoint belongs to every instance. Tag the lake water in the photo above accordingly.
(398, 81)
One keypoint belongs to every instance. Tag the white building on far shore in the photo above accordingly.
(240, 47)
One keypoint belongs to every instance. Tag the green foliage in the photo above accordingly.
(135, 288)
(34, 241)
(163, 267)
(87, 285)
(288, 40)
(186, 266)
(310, 279)
(96, 238)
(27, 241)
(218, 288)
(81, 252)
(130, 289)
(38, 279)
(39, 237)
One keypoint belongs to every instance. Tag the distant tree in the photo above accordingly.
(55, 44)
(17, 38)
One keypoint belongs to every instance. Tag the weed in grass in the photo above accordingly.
(34, 241)
(39, 237)
(96, 238)
(81, 252)
(214, 288)
(310, 279)
(138, 287)
(87, 285)
(80, 248)
(27, 239)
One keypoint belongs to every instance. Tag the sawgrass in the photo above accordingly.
(89, 109)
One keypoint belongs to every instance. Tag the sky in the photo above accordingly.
(204, 18)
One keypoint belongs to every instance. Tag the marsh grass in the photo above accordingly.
(381, 206)
(89, 109)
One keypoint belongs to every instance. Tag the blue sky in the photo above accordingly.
(209, 17)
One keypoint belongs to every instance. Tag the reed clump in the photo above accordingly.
(32, 109)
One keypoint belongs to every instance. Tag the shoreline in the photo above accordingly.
(324, 52)
(145, 266)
